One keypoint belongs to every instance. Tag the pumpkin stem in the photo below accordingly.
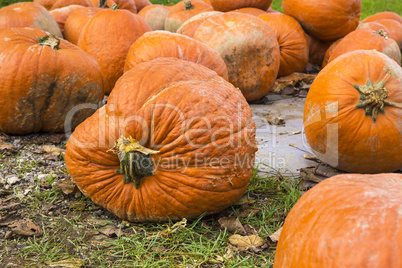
(50, 41)
(135, 160)
(188, 5)
(381, 33)
(373, 99)
(115, 7)
(103, 4)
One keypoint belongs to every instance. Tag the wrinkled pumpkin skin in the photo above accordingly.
(340, 133)
(39, 85)
(155, 16)
(156, 44)
(184, 111)
(191, 25)
(61, 15)
(349, 220)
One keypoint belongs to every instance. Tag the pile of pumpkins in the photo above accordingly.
(176, 137)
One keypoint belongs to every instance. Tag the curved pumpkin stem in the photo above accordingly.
(381, 33)
(50, 41)
(188, 5)
(115, 7)
(135, 160)
(373, 99)
(103, 4)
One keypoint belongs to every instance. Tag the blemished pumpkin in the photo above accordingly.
(353, 113)
(140, 4)
(249, 48)
(183, 11)
(43, 82)
(349, 220)
(292, 42)
(61, 15)
(191, 130)
(317, 50)
(383, 15)
(394, 28)
(325, 20)
(224, 5)
(119, 28)
(155, 16)
(367, 39)
(122, 4)
(191, 25)
(374, 26)
(50, 5)
(152, 45)
(28, 14)
(76, 22)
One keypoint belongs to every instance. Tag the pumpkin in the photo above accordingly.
(251, 11)
(155, 16)
(394, 28)
(383, 15)
(270, 10)
(327, 21)
(76, 22)
(249, 48)
(224, 5)
(329, 52)
(27, 14)
(292, 42)
(353, 113)
(207, 2)
(374, 26)
(182, 11)
(317, 49)
(45, 3)
(140, 4)
(61, 14)
(191, 25)
(119, 28)
(367, 39)
(349, 220)
(190, 131)
(157, 44)
(53, 4)
(46, 83)
(122, 4)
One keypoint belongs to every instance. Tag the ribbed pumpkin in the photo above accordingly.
(292, 42)
(50, 5)
(122, 4)
(119, 28)
(61, 15)
(329, 52)
(249, 48)
(157, 44)
(251, 11)
(374, 26)
(224, 5)
(43, 81)
(353, 113)
(27, 14)
(140, 4)
(325, 20)
(383, 15)
(182, 11)
(349, 220)
(317, 49)
(76, 22)
(155, 16)
(394, 28)
(367, 39)
(191, 25)
(190, 131)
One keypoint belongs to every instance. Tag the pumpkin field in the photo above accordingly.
(200, 133)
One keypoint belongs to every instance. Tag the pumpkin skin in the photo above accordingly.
(157, 44)
(76, 22)
(61, 15)
(155, 16)
(224, 5)
(251, 11)
(374, 26)
(191, 25)
(329, 52)
(140, 4)
(349, 220)
(367, 39)
(122, 4)
(292, 42)
(39, 85)
(183, 11)
(121, 26)
(394, 28)
(327, 21)
(252, 58)
(186, 183)
(317, 49)
(335, 122)
(53, 4)
(383, 15)
(27, 14)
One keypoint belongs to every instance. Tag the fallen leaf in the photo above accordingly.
(9, 206)
(26, 228)
(245, 200)
(53, 150)
(249, 212)
(275, 236)
(277, 121)
(246, 242)
(66, 186)
(70, 263)
(112, 232)
(295, 80)
(169, 230)
(232, 224)
(7, 148)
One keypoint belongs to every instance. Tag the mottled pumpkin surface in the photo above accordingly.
(224, 5)
(349, 220)
(201, 125)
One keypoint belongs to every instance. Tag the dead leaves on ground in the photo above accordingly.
(24, 227)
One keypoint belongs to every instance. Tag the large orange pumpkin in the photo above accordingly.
(61, 14)
(43, 81)
(349, 220)
(394, 28)
(329, 52)
(27, 14)
(353, 113)
(191, 25)
(155, 16)
(157, 44)
(250, 10)
(140, 4)
(76, 22)
(325, 20)
(317, 49)
(367, 39)
(53, 4)
(383, 15)
(224, 5)
(119, 28)
(249, 48)
(122, 4)
(190, 131)
(292, 42)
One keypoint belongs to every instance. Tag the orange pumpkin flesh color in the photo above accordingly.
(353, 113)
(42, 81)
(61, 15)
(76, 22)
(225, 5)
(196, 133)
(155, 16)
(349, 220)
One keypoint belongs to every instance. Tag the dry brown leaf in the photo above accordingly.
(112, 232)
(66, 186)
(246, 242)
(232, 224)
(53, 150)
(169, 230)
(294, 80)
(70, 263)
(275, 236)
(25, 227)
